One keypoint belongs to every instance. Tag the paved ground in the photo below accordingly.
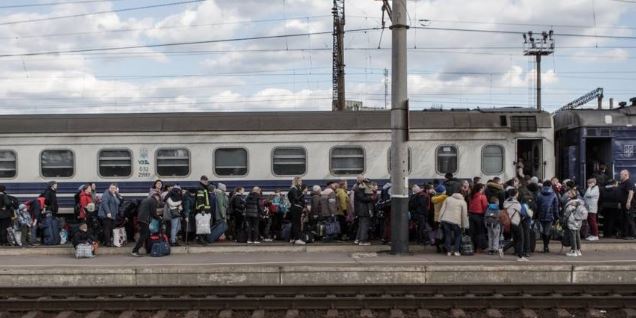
(294, 257)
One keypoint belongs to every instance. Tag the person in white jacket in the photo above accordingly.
(454, 218)
(591, 203)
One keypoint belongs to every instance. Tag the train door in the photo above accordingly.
(597, 151)
(531, 152)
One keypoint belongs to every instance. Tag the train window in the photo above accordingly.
(347, 160)
(446, 159)
(492, 159)
(230, 162)
(173, 162)
(57, 163)
(289, 161)
(523, 123)
(115, 163)
(7, 164)
(409, 159)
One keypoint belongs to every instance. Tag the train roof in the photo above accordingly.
(257, 121)
(577, 118)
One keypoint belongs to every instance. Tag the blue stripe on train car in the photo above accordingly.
(24, 190)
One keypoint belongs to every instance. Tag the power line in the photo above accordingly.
(182, 43)
(48, 4)
(602, 36)
(99, 12)
(167, 27)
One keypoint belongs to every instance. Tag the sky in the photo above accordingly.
(92, 56)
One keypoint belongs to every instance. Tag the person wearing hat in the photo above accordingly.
(205, 202)
(84, 237)
(438, 198)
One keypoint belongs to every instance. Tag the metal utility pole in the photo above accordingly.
(538, 48)
(338, 71)
(399, 128)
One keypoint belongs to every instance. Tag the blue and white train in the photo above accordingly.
(262, 148)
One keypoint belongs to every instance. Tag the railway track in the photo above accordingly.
(329, 301)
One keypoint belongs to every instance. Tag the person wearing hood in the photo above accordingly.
(328, 206)
(513, 208)
(315, 208)
(454, 218)
(108, 210)
(50, 197)
(222, 202)
(548, 212)
(591, 197)
(495, 189)
(574, 213)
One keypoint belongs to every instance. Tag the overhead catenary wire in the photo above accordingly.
(6, 23)
(282, 36)
(50, 4)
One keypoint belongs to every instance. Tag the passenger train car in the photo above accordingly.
(262, 148)
(586, 138)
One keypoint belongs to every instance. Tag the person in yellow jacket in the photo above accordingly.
(343, 203)
(438, 200)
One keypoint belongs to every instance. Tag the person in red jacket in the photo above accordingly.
(476, 210)
(85, 198)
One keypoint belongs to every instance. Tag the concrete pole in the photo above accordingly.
(539, 81)
(399, 132)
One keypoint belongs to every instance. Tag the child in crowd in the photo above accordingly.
(493, 226)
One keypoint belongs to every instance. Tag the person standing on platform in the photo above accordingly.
(297, 201)
(145, 213)
(108, 210)
(574, 213)
(627, 205)
(548, 212)
(454, 218)
(50, 197)
(592, 195)
(363, 207)
(513, 208)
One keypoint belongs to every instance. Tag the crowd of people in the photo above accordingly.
(456, 216)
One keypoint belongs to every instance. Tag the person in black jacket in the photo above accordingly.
(50, 197)
(237, 213)
(6, 215)
(253, 211)
(420, 203)
(147, 210)
(297, 202)
(362, 204)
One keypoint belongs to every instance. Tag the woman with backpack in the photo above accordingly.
(513, 208)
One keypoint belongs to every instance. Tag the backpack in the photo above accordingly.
(11, 202)
(492, 212)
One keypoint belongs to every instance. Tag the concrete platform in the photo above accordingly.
(606, 245)
(314, 268)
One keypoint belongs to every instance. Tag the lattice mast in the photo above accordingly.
(338, 72)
